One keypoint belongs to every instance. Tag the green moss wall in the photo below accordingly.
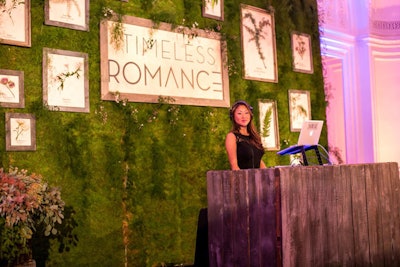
(136, 174)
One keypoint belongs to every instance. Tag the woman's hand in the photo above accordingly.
(262, 165)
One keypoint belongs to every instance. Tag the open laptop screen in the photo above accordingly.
(310, 132)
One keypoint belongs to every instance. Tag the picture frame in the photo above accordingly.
(15, 23)
(213, 9)
(269, 128)
(12, 89)
(201, 79)
(258, 44)
(67, 14)
(299, 108)
(20, 132)
(65, 80)
(302, 52)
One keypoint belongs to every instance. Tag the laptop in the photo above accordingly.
(309, 136)
(310, 133)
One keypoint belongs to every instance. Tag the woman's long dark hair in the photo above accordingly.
(255, 137)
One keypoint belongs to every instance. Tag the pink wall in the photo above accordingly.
(362, 61)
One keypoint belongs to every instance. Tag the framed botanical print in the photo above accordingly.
(73, 14)
(299, 108)
(301, 52)
(213, 9)
(12, 89)
(65, 80)
(15, 22)
(269, 129)
(258, 44)
(20, 132)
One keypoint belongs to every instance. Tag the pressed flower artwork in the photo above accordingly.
(213, 9)
(12, 89)
(73, 14)
(258, 44)
(299, 108)
(301, 53)
(65, 81)
(15, 22)
(20, 132)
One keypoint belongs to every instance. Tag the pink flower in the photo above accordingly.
(4, 81)
(11, 84)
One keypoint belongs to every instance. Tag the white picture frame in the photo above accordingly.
(72, 14)
(15, 23)
(20, 132)
(258, 44)
(12, 89)
(213, 9)
(302, 52)
(299, 108)
(198, 78)
(65, 80)
(269, 126)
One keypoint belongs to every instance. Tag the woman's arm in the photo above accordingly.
(230, 146)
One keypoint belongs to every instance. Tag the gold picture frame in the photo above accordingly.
(65, 80)
(299, 108)
(15, 23)
(12, 89)
(258, 44)
(20, 132)
(269, 127)
(67, 13)
(302, 52)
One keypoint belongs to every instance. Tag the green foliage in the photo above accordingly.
(267, 123)
(135, 173)
(13, 244)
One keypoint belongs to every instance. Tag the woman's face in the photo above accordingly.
(242, 116)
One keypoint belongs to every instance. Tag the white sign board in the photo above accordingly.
(156, 60)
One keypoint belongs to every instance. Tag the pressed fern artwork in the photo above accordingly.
(258, 44)
(269, 129)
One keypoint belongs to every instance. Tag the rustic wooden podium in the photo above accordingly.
(341, 215)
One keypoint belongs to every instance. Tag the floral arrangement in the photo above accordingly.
(26, 203)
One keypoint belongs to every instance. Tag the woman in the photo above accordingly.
(243, 143)
(245, 150)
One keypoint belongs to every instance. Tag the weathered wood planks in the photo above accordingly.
(342, 215)
(241, 210)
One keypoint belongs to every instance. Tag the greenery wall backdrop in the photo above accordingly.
(135, 173)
